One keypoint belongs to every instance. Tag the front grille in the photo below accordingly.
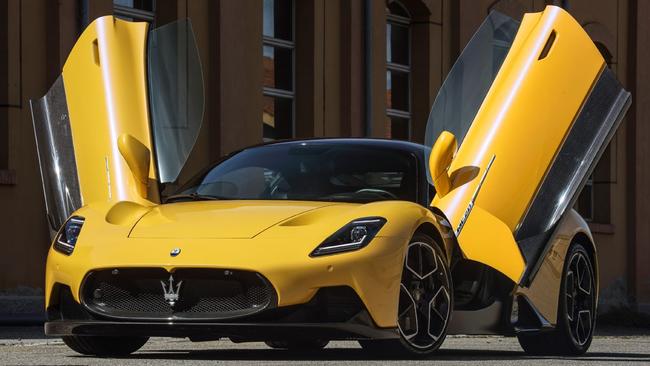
(202, 294)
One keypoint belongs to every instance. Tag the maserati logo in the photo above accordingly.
(170, 291)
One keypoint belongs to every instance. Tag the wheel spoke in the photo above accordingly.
(421, 260)
(583, 326)
(439, 305)
(580, 270)
(407, 320)
(570, 301)
(584, 281)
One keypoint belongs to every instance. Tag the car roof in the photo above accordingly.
(408, 146)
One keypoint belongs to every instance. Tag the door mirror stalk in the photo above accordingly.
(137, 157)
(442, 154)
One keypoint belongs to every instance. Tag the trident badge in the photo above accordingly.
(171, 293)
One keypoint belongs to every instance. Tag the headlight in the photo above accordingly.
(66, 239)
(355, 235)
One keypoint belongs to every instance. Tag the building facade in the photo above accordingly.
(278, 69)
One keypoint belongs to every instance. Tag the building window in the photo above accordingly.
(278, 60)
(398, 71)
(4, 139)
(593, 203)
(135, 10)
(10, 83)
(594, 200)
(4, 88)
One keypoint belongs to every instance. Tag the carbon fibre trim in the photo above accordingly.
(239, 331)
(56, 155)
(591, 132)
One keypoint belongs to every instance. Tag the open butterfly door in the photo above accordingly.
(532, 106)
(123, 93)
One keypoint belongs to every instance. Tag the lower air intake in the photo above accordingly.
(186, 294)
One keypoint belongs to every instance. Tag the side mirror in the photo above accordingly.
(137, 157)
(440, 159)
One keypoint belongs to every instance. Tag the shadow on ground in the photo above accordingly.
(352, 354)
(22, 332)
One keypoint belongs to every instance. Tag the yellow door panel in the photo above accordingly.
(523, 120)
(123, 91)
(106, 90)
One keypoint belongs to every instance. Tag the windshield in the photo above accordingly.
(176, 95)
(312, 172)
(469, 80)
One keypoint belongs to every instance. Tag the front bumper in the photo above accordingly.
(334, 313)
(373, 272)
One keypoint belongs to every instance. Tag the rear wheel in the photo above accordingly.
(425, 301)
(104, 346)
(576, 317)
(298, 345)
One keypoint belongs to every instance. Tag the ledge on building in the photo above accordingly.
(598, 228)
(7, 177)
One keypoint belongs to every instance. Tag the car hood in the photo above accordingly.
(218, 219)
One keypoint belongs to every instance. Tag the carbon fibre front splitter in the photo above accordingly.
(235, 331)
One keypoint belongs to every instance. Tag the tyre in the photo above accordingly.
(425, 302)
(104, 346)
(576, 318)
(298, 345)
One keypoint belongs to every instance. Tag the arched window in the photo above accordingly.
(398, 71)
(278, 54)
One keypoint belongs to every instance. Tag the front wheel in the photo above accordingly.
(104, 346)
(425, 301)
(576, 317)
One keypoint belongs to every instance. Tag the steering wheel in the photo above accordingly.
(276, 188)
(379, 192)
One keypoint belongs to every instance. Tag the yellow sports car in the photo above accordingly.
(297, 243)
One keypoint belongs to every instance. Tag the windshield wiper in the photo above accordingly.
(193, 196)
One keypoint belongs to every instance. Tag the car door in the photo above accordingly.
(532, 105)
(123, 92)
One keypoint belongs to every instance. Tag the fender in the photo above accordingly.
(541, 284)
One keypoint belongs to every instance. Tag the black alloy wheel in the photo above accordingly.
(580, 298)
(425, 301)
(576, 317)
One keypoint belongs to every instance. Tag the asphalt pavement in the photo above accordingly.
(28, 346)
